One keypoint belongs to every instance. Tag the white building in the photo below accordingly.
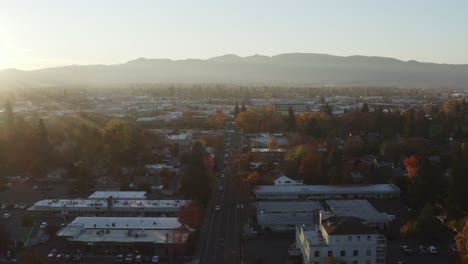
(346, 239)
(151, 232)
(120, 195)
(285, 180)
(360, 209)
(322, 192)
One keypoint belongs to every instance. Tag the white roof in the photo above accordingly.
(326, 189)
(286, 212)
(125, 229)
(358, 208)
(147, 223)
(288, 206)
(118, 195)
(101, 204)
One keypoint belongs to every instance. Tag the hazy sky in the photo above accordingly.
(39, 33)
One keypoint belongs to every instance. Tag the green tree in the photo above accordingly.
(312, 129)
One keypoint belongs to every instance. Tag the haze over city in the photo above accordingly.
(233, 132)
(38, 35)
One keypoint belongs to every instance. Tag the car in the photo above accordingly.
(432, 250)
(423, 249)
(6, 216)
(60, 256)
(155, 259)
(43, 225)
(406, 249)
(35, 187)
(222, 175)
(138, 259)
(77, 257)
(51, 256)
(3, 206)
(119, 258)
(226, 155)
(16, 206)
(217, 208)
(22, 206)
(452, 247)
(225, 163)
(129, 258)
(220, 189)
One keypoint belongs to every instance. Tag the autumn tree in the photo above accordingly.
(273, 143)
(424, 226)
(270, 120)
(461, 241)
(412, 164)
(190, 214)
(353, 146)
(247, 120)
(252, 178)
(236, 109)
(311, 169)
(243, 107)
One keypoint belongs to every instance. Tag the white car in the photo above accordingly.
(217, 208)
(432, 249)
(43, 225)
(155, 259)
(6, 215)
(22, 206)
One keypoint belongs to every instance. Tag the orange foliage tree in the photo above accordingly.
(461, 240)
(412, 165)
(190, 214)
(253, 178)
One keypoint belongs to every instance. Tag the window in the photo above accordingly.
(342, 253)
(317, 253)
(350, 238)
(355, 253)
(358, 238)
(368, 238)
(368, 261)
(330, 253)
(368, 252)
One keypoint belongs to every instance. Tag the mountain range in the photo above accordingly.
(301, 69)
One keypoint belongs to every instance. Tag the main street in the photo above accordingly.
(223, 240)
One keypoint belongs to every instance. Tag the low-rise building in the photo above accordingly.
(322, 192)
(345, 239)
(149, 233)
(285, 215)
(360, 209)
(120, 195)
(105, 207)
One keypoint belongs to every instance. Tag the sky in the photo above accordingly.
(48, 33)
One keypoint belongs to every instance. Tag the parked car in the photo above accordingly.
(453, 247)
(406, 249)
(51, 256)
(220, 189)
(217, 208)
(155, 259)
(77, 257)
(432, 250)
(6, 215)
(43, 225)
(138, 259)
(423, 249)
(119, 258)
(129, 258)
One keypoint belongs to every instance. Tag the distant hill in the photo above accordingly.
(284, 69)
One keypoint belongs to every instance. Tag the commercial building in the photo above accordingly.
(360, 209)
(297, 105)
(151, 234)
(285, 215)
(345, 239)
(322, 192)
(101, 207)
(120, 195)
(276, 154)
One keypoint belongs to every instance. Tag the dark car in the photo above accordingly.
(423, 249)
(406, 249)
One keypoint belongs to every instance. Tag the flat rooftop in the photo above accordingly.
(118, 195)
(358, 208)
(156, 230)
(327, 189)
(98, 204)
(313, 235)
(287, 206)
(265, 150)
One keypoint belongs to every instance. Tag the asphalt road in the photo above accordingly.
(223, 240)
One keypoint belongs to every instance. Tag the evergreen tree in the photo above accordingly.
(236, 109)
(365, 108)
(312, 129)
(292, 125)
(9, 118)
(409, 123)
(327, 109)
(243, 108)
